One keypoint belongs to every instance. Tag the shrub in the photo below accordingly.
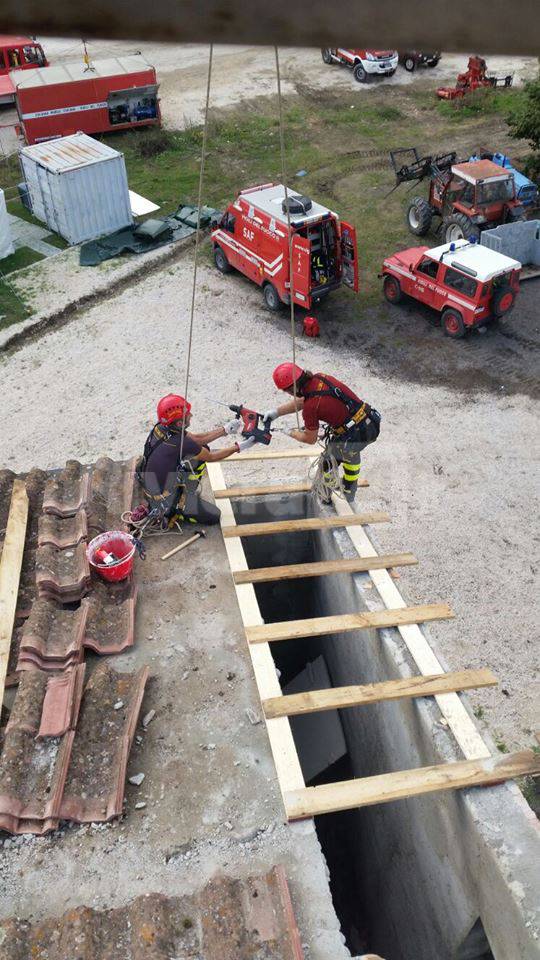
(150, 143)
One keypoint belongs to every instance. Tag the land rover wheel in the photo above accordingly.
(221, 261)
(392, 289)
(459, 227)
(503, 301)
(409, 63)
(359, 73)
(271, 297)
(452, 322)
(419, 216)
(326, 54)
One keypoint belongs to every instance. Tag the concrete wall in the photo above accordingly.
(430, 866)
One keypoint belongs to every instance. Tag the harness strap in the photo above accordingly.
(357, 410)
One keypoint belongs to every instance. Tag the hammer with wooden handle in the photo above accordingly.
(186, 543)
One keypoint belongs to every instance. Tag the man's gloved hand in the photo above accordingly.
(232, 426)
(245, 444)
(270, 415)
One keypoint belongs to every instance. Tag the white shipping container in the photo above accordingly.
(77, 186)
(6, 244)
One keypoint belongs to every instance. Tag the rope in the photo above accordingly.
(284, 180)
(197, 239)
(325, 477)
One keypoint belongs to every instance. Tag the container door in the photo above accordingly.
(349, 256)
(301, 270)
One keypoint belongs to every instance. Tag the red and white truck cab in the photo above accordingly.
(253, 237)
(364, 63)
(467, 283)
(17, 53)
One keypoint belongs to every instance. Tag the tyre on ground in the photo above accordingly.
(271, 297)
(326, 54)
(359, 73)
(221, 261)
(392, 289)
(409, 63)
(459, 227)
(452, 322)
(419, 216)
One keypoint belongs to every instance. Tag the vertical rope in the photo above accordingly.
(284, 180)
(197, 238)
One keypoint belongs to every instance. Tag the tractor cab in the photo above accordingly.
(481, 186)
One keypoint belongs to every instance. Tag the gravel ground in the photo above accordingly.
(456, 464)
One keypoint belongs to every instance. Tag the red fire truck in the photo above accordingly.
(106, 95)
(253, 238)
(17, 53)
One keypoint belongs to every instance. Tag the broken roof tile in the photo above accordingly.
(214, 924)
(111, 494)
(110, 626)
(94, 789)
(61, 702)
(62, 574)
(62, 532)
(67, 491)
(53, 637)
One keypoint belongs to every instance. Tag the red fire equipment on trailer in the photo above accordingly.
(253, 237)
(107, 95)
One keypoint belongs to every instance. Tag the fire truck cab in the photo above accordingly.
(17, 53)
(253, 237)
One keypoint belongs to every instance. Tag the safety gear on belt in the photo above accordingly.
(359, 412)
(232, 426)
(172, 408)
(270, 415)
(285, 375)
(245, 444)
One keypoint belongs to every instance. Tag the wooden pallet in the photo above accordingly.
(478, 769)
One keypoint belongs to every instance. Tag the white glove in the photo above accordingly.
(232, 426)
(245, 444)
(270, 415)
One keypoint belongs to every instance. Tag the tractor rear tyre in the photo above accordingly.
(419, 216)
(452, 322)
(359, 73)
(221, 261)
(392, 289)
(271, 297)
(459, 227)
(326, 54)
(409, 63)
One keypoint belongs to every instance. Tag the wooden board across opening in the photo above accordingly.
(336, 698)
(305, 523)
(293, 571)
(344, 622)
(10, 572)
(383, 788)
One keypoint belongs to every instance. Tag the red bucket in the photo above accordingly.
(111, 554)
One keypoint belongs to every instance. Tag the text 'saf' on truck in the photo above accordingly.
(109, 95)
(253, 237)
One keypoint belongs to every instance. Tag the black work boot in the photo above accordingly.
(350, 488)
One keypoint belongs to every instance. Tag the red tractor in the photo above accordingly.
(475, 77)
(468, 197)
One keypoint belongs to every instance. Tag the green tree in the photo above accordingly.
(525, 123)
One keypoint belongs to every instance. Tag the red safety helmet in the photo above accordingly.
(171, 408)
(285, 375)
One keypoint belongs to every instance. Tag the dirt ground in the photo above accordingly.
(456, 465)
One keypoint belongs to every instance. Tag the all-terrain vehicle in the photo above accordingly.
(468, 284)
(468, 197)
(364, 63)
(411, 59)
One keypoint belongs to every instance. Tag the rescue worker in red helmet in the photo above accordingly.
(350, 423)
(175, 459)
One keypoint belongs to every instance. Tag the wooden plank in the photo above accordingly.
(293, 571)
(452, 708)
(292, 454)
(336, 698)
(350, 794)
(344, 622)
(305, 523)
(282, 743)
(10, 572)
(234, 492)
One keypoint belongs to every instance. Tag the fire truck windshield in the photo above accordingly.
(494, 192)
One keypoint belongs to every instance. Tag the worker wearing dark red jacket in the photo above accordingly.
(350, 423)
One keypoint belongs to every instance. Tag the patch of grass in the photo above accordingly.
(55, 240)
(479, 713)
(501, 745)
(482, 102)
(18, 209)
(12, 308)
(22, 257)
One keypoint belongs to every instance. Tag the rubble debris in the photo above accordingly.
(137, 779)
(148, 717)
